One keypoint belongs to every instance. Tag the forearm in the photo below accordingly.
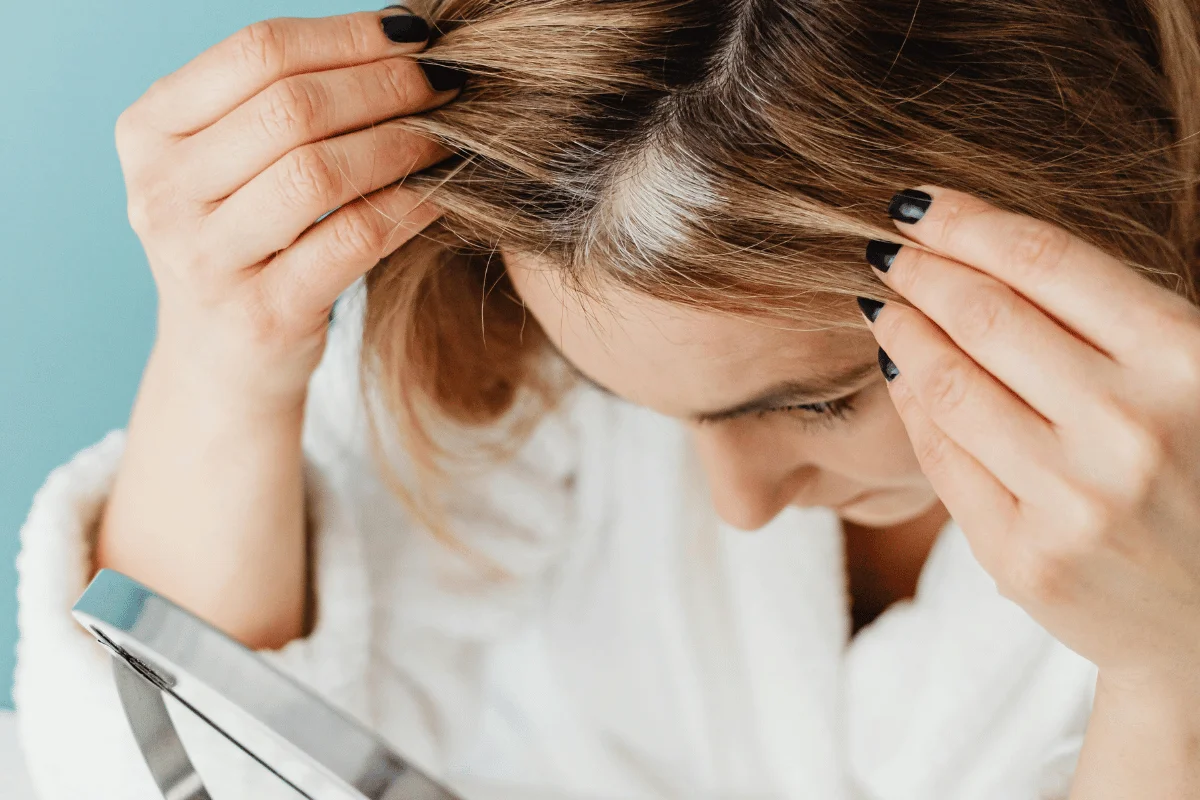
(1141, 743)
(208, 504)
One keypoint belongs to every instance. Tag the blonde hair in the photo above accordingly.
(737, 155)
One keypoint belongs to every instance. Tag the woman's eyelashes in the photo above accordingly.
(826, 413)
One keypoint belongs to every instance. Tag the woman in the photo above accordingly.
(605, 322)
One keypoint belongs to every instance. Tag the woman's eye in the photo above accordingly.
(825, 413)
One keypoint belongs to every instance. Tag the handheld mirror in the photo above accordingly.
(159, 648)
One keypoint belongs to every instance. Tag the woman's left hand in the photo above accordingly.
(1052, 396)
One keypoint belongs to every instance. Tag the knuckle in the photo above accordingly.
(1037, 248)
(1175, 321)
(158, 201)
(146, 205)
(361, 34)
(1089, 523)
(125, 128)
(290, 110)
(1148, 452)
(357, 236)
(133, 147)
(1143, 450)
(954, 209)
(912, 261)
(260, 46)
(141, 216)
(983, 312)
(1087, 536)
(1044, 575)
(308, 180)
(945, 389)
(906, 403)
(396, 79)
(1186, 315)
(1184, 367)
(933, 453)
(1147, 461)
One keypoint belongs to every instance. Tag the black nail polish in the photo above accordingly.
(442, 77)
(880, 255)
(870, 308)
(406, 27)
(909, 206)
(888, 366)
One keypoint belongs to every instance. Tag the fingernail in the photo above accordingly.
(870, 308)
(888, 366)
(406, 27)
(909, 205)
(880, 255)
(442, 77)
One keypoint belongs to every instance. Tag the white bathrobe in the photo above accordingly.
(643, 649)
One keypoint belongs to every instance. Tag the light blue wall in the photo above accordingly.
(76, 298)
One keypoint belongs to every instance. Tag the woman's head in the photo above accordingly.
(675, 195)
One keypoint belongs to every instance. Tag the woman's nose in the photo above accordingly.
(748, 489)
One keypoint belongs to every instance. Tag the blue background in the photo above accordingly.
(76, 298)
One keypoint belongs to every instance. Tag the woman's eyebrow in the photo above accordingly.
(788, 392)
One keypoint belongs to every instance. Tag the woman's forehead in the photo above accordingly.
(613, 311)
(634, 343)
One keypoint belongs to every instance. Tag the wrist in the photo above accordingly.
(239, 384)
(1143, 740)
(255, 379)
(1167, 699)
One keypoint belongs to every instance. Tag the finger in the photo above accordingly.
(308, 277)
(298, 111)
(231, 72)
(980, 505)
(1080, 285)
(1049, 368)
(269, 213)
(983, 418)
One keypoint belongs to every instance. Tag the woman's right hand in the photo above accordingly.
(230, 160)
